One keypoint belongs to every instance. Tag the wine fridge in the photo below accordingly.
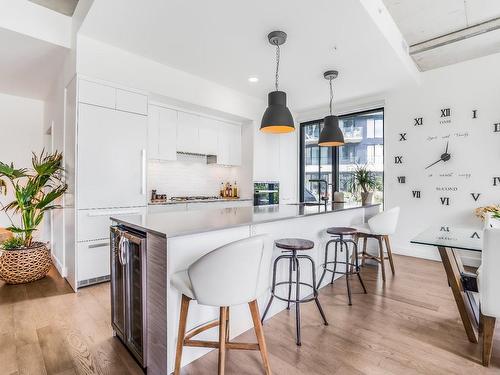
(128, 290)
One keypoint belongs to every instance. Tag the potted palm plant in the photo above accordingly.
(363, 181)
(22, 259)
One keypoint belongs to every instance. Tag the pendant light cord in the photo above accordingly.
(277, 65)
(331, 95)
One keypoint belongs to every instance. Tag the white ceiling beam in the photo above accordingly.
(456, 36)
(36, 21)
(385, 23)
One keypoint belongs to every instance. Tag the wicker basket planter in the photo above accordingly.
(25, 265)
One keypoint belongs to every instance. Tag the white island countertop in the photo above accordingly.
(173, 224)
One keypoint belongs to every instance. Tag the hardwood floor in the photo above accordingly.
(410, 325)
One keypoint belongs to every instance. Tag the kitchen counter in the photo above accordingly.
(173, 224)
(174, 240)
(167, 202)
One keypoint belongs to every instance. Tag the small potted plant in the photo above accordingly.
(490, 215)
(363, 181)
(22, 259)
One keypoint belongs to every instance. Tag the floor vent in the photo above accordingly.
(95, 280)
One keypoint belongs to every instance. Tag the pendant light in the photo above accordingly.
(331, 135)
(277, 117)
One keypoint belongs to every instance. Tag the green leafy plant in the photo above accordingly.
(35, 192)
(363, 180)
(12, 243)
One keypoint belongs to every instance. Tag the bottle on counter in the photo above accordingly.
(222, 189)
(230, 191)
(235, 190)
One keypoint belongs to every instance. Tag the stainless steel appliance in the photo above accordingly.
(128, 290)
(266, 193)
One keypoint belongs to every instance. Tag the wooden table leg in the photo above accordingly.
(453, 266)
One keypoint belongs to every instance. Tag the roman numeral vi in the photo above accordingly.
(445, 229)
(445, 201)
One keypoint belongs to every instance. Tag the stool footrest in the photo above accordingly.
(215, 344)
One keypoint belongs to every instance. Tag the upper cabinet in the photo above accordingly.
(162, 133)
(110, 97)
(208, 133)
(171, 131)
(188, 138)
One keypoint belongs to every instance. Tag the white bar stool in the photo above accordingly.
(380, 227)
(233, 274)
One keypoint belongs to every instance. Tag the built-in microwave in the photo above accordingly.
(266, 193)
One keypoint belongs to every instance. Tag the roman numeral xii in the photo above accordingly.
(446, 112)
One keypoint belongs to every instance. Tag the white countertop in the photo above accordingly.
(173, 224)
(163, 203)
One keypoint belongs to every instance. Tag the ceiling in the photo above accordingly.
(66, 7)
(28, 66)
(422, 20)
(225, 41)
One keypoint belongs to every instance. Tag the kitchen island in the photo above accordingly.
(172, 241)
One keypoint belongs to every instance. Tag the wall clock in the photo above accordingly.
(451, 163)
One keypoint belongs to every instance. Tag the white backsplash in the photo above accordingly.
(189, 176)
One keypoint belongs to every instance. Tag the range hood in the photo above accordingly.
(196, 157)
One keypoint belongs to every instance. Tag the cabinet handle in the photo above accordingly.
(122, 249)
(109, 213)
(101, 244)
(143, 176)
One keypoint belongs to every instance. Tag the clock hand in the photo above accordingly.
(433, 163)
(447, 143)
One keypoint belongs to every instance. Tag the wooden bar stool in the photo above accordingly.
(233, 274)
(289, 247)
(379, 227)
(350, 267)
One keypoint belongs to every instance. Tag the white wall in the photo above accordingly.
(189, 175)
(463, 87)
(21, 124)
(475, 149)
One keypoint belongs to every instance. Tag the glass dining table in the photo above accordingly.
(449, 240)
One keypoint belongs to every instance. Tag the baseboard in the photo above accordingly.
(59, 267)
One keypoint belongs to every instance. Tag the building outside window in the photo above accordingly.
(364, 137)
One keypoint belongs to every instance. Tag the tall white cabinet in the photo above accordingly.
(110, 165)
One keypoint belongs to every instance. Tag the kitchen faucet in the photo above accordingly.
(320, 181)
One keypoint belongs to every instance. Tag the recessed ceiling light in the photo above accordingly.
(253, 79)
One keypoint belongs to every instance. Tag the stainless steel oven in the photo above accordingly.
(266, 193)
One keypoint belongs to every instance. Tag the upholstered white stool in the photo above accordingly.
(489, 285)
(380, 227)
(233, 274)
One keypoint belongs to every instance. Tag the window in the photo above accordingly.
(364, 145)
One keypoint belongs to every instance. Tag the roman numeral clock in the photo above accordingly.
(449, 156)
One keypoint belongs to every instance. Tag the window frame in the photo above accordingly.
(335, 152)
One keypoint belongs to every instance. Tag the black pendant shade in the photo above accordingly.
(331, 135)
(277, 117)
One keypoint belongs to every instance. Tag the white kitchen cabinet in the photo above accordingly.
(229, 147)
(93, 261)
(167, 138)
(131, 102)
(162, 208)
(96, 94)
(94, 224)
(162, 133)
(208, 134)
(111, 158)
(188, 138)
(234, 145)
(223, 148)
